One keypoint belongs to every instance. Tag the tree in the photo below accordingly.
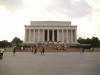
(94, 41)
(16, 41)
(81, 40)
(4, 43)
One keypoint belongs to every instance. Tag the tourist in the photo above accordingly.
(22, 48)
(1, 53)
(92, 49)
(82, 50)
(14, 51)
(35, 51)
(42, 51)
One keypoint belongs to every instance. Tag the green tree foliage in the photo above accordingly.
(16, 41)
(4, 43)
(94, 41)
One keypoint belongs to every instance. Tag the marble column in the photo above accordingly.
(38, 35)
(75, 35)
(62, 35)
(53, 35)
(48, 35)
(29, 35)
(32, 35)
(71, 36)
(67, 36)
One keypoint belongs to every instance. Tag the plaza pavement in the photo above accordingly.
(52, 63)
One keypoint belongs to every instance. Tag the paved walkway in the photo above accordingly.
(72, 63)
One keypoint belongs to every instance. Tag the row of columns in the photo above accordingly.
(32, 36)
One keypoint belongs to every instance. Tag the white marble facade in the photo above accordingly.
(50, 31)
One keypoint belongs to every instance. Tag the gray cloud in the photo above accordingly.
(71, 8)
(11, 5)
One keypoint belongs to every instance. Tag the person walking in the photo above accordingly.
(14, 51)
(42, 51)
(82, 50)
(35, 51)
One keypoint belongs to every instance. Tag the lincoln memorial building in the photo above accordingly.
(51, 31)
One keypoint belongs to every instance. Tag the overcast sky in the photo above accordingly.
(14, 14)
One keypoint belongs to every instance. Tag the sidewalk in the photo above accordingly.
(73, 63)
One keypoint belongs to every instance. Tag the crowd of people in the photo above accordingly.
(36, 49)
(33, 50)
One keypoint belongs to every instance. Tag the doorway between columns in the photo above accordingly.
(51, 36)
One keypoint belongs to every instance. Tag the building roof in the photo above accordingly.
(51, 23)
